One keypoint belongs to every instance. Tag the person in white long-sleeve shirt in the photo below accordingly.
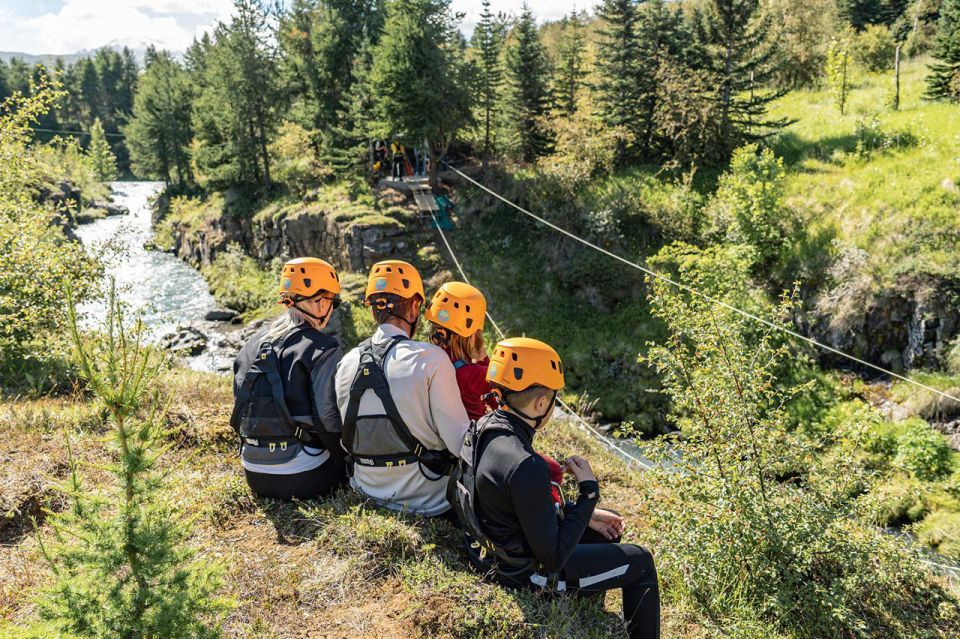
(423, 387)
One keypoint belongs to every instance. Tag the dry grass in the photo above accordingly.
(333, 568)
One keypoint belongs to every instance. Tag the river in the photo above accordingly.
(165, 290)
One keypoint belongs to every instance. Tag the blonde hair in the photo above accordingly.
(469, 349)
(283, 324)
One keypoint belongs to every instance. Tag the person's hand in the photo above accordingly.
(580, 468)
(608, 524)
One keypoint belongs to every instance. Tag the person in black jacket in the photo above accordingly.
(290, 432)
(503, 499)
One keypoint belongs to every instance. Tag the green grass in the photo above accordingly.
(882, 180)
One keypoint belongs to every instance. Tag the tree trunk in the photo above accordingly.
(896, 79)
(437, 151)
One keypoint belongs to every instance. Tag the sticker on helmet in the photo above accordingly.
(287, 284)
(381, 283)
(444, 315)
(492, 370)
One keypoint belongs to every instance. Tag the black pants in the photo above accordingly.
(598, 565)
(319, 482)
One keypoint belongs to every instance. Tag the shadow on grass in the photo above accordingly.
(444, 596)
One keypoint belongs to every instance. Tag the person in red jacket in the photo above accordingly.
(457, 314)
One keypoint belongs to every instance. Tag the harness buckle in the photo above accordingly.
(402, 462)
(283, 445)
(388, 464)
(273, 446)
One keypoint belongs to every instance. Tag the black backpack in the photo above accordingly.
(462, 494)
(268, 433)
(385, 440)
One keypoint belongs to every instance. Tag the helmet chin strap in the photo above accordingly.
(333, 305)
(537, 420)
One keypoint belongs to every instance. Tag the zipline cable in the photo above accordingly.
(709, 298)
(109, 135)
(588, 427)
(584, 424)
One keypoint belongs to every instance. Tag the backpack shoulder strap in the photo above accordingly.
(266, 363)
(459, 364)
(370, 376)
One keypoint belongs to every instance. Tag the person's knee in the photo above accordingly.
(642, 559)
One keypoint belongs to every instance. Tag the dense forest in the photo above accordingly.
(794, 159)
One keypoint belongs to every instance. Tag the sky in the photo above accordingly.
(68, 26)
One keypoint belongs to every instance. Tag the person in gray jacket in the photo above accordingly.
(403, 421)
(285, 409)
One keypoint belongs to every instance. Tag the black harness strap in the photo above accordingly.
(267, 363)
(370, 377)
(465, 502)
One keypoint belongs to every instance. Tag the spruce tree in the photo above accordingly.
(663, 41)
(618, 88)
(418, 79)
(487, 42)
(943, 83)
(738, 49)
(570, 70)
(527, 96)
(104, 164)
(159, 132)
(121, 564)
(239, 97)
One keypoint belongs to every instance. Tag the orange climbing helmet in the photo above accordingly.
(458, 307)
(305, 277)
(517, 363)
(394, 277)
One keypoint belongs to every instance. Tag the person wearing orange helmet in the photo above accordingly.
(500, 493)
(403, 421)
(456, 314)
(285, 409)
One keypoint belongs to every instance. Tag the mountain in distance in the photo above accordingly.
(49, 59)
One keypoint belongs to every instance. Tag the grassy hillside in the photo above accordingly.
(337, 568)
(882, 180)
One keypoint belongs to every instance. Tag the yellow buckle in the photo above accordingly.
(402, 462)
(273, 447)
(283, 445)
(389, 464)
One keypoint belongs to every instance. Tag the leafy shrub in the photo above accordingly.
(294, 159)
(583, 146)
(37, 263)
(941, 531)
(744, 538)
(871, 138)
(239, 282)
(922, 451)
(874, 48)
(748, 205)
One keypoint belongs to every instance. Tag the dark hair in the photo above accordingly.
(526, 396)
(401, 306)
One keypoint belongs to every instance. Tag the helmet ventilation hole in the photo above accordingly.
(514, 356)
(518, 372)
(389, 270)
(303, 270)
(456, 304)
(406, 283)
(400, 270)
(553, 364)
(468, 308)
(469, 322)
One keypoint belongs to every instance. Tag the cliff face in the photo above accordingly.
(350, 235)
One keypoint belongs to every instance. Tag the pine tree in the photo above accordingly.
(120, 560)
(239, 96)
(488, 43)
(418, 80)
(663, 41)
(159, 132)
(618, 89)
(739, 51)
(943, 83)
(527, 96)
(570, 70)
(104, 164)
